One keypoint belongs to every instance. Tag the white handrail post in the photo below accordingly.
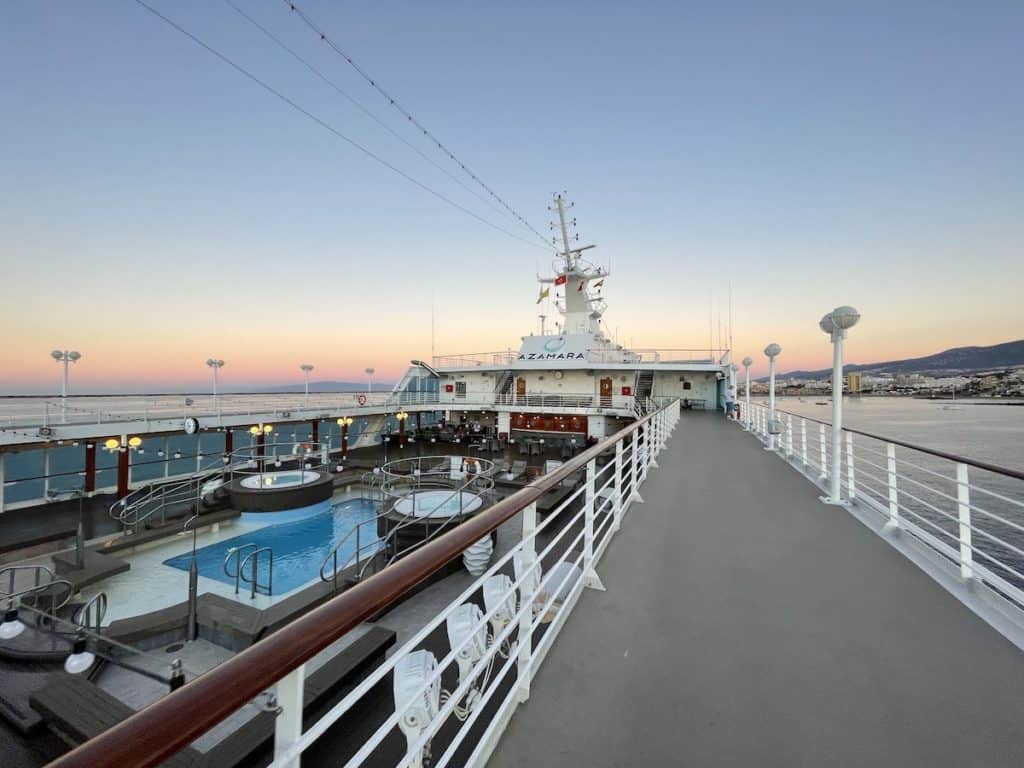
(803, 441)
(590, 577)
(789, 435)
(824, 451)
(894, 506)
(617, 498)
(524, 667)
(851, 489)
(963, 503)
(652, 439)
(288, 726)
(634, 468)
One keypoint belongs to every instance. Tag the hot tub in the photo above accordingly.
(274, 480)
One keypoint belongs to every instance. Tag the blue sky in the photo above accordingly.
(157, 205)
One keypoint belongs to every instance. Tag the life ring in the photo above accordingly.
(361, 399)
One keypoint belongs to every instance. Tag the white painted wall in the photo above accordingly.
(703, 386)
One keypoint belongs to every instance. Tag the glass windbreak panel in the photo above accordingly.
(67, 468)
(212, 449)
(23, 475)
(146, 461)
(181, 454)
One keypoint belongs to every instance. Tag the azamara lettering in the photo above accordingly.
(553, 356)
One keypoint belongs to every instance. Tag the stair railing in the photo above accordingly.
(254, 556)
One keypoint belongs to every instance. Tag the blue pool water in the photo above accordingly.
(299, 545)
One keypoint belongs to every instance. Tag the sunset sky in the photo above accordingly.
(159, 208)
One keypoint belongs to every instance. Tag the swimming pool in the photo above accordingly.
(299, 546)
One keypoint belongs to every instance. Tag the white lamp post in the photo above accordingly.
(369, 374)
(216, 365)
(771, 351)
(65, 356)
(747, 362)
(836, 323)
(306, 369)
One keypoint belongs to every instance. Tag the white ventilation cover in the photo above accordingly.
(411, 673)
(499, 601)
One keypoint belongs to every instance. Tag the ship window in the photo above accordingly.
(687, 385)
(460, 389)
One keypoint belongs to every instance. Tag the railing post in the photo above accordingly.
(617, 496)
(851, 488)
(524, 670)
(963, 503)
(634, 468)
(288, 726)
(652, 442)
(894, 506)
(789, 435)
(824, 452)
(803, 441)
(590, 577)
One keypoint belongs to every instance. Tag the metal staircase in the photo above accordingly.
(160, 498)
(644, 385)
(249, 554)
(503, 386)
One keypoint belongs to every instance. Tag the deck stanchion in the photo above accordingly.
(590, 577)
(851, 488)
(524, 669)
(789, 435)
(634, 469)
(823, 445)
(617, 497)
(894, 507)
(963, 503)
(288, 726)
(803, 441)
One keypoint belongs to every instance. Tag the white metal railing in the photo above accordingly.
(451, 688)
(969, 512)
(474, 359)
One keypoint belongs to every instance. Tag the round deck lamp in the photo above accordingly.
(11, 626)
(771, 352)
(80, 659)
(836, 323)
(134, 442)
(112, 444)
(747, 362)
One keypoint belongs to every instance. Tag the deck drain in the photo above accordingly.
(174, 648)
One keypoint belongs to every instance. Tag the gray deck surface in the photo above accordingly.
(746, 623)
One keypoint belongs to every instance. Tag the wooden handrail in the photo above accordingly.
(155, 733)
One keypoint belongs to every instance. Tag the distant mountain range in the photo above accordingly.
(952, 361)
(328, 386)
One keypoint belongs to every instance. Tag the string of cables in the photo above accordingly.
(360, 106)
(409, 117)
(327, 126)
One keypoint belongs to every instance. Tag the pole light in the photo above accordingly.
(215, 365)
(836, 323)
(747, 362)
(306, 369)
(369, 374)
(65, 356)
(771, 352)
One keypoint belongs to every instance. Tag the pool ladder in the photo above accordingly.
(249, 554)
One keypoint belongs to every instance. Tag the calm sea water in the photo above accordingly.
(978, 429)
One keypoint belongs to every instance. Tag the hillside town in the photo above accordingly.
(1008, 382)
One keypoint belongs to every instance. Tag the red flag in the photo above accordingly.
(560, 280)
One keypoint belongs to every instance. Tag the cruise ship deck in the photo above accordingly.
(747, 623)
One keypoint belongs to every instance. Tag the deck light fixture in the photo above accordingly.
(215, 364)
(369, 376)
(11, 626)
(112, 444)
(306, 369)
(80, 659)
(65, 356)
(836, 323)
(747, 362)
(771, 352)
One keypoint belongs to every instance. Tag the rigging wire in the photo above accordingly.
(409, 117)
(356, 103)
(324, 124)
